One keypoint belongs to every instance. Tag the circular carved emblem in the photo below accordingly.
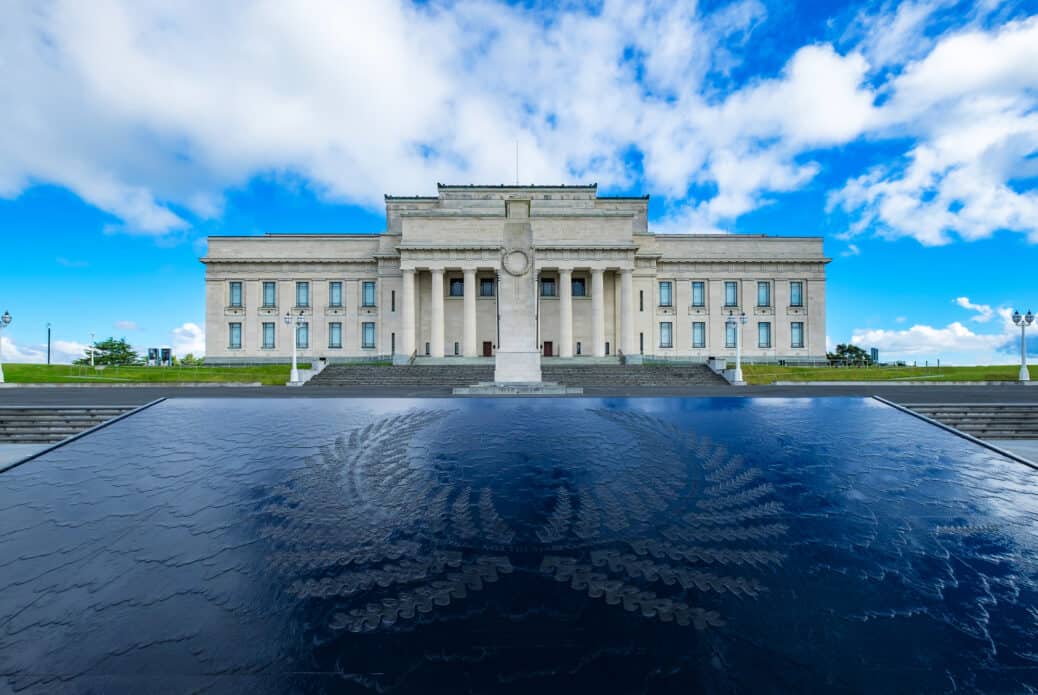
(516, 262)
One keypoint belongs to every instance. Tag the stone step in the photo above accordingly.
(41, 424)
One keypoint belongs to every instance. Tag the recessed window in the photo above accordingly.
(666, 298)
(456, 287)
(731, 293)
(578, 347)
(234, 339)
(796, 293)
(641, 343)
(764, 334)
(730, 335)
(796, 334)
(666, 334)
(303, 336)
(698, 334)
(335, 294)
(579, 287)
(268, 336)
(763, 294)
(270, 295)
(368, 293)
(698, 293)
(368, 335)
(335, 334)
(236, 294)
(641, 300)
(548, 287)
(486, 287)
(456, 348)
(392, 300)
(302, 294)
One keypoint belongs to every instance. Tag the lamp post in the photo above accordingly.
(5, 321)
(735, 322)
(48, 342)
(1023, 322)
(295, 322)
(91, 350)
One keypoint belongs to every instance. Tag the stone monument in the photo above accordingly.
(518, 360)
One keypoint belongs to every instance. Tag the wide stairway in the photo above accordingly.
(585, 375)
(983, 420)
(44, 425)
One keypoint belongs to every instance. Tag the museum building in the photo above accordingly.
(426, 289)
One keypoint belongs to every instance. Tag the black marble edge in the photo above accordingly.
(964, 435)
(76, 436)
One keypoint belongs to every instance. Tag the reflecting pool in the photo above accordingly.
(519, 545)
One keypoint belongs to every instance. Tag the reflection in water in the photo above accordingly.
(559, 545)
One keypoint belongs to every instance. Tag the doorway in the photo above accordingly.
(488, 348)
(547, 348)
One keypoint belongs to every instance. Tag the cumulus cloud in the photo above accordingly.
(188, 338)
(984, 312)
(851, 250)
(62, 351)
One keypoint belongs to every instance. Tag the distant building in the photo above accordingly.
(427, 286)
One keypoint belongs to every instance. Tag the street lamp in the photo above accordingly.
(295, 321)
(5, 321)
(48, 342)
(1023, 322)
(91, 350)
(734, 321)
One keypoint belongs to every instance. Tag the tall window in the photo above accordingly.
(303, 336)
(456, 287)
(796, 293)
(335, 334)
(486, 287)
(579, 287)
(764, 334)
(665, 294)
(392, 300)
(666, 334)
(303, 294)
(641, 300)
(548, 287)
(698, 334)
(268, 336)
(367, 333)
(234, 341)
(698, 293)
(731, 293)
(730, 335)
(235, 293)
(368, 293)
(270, 294)
(763, 293)
(796, 334)
(334, 294)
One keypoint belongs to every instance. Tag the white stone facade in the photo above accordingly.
(431, 285)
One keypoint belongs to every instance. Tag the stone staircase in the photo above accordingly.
(36, 424)
(593, 375)
(985, 420)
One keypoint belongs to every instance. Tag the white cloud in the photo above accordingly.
(852, 250)
(984, 312)
(188, 337)
(125, 326)
(900, 319)
(62, 351)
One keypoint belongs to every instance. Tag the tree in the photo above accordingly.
(112, 352)
(189, 360)
(851, 354)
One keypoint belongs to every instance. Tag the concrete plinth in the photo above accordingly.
(516, 388)
(517, 366)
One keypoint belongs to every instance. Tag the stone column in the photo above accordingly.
(565, 312)
(436, 318)
(627, 311)
(407, 313)
(469, 344)
(597, 313)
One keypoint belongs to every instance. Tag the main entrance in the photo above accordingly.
(488, 348)
(547, 348)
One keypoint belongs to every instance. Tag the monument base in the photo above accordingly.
(516, 388)
(517, 366)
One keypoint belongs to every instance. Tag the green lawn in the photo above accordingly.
(64, 373)
(766, 373)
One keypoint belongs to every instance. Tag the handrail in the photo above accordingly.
(412, 358)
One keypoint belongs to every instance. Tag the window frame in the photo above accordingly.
(766, 287)
(669, 345)
(273, 286)
(792, 342)
(235, 285)
(554, 288)
(583, 288)
(731, 331)
(761, 344)
(800, 290)
(700, 344)
(331, 332)
(304, 328)
(332, 286)
(273, 335)
(670, 294)
(301, 284)
(487, 282)
(731, 284)
(702, 293)
(366, 326)
(453, 283)
(364, 285)
(231, 326)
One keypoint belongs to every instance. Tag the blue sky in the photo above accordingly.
(905, 133)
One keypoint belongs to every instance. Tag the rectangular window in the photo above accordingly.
(369, 293)
(579, 287)
(334, 294)
(268, 336)
(235, 336)
(730, 335)
(641, 300)
(698, 293)
(796, 293)
(666, 334)
(763, 294)
(392, 300)
(548, 287)
(335, 335)
(698, 334)
(303, 336)
(367, 335)
(270, 295)
(303, 294)
(796, 334)
(235, 293)
(731, 293)
(456, 287)
(764, 334)
(665, 294)
(486, 287)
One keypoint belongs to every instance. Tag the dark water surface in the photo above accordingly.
(518, 546)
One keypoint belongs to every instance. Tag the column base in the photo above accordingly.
(517, 366)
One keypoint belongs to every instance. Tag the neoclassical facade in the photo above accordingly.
(428, 287)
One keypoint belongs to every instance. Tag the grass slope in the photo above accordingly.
(267, 374)
(766, 373)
